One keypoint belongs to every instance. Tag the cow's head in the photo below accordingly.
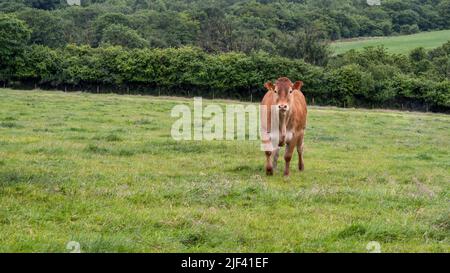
(283, 90)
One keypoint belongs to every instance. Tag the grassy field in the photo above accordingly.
(103, 170)
(396, 44)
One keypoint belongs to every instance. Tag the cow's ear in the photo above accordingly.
(269, 86)
(298, 85)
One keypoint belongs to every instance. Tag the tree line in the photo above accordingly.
(370, 78)
(289, 28)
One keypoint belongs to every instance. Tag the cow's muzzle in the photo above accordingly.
(283, 107)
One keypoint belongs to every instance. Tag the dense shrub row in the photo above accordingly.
(170, 69)
(372, 78)
(420, 80)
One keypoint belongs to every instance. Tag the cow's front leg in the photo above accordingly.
(269, 166)
(268, 149)
(290, 146)
(282, 137)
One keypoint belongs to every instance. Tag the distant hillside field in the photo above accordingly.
(396, 44)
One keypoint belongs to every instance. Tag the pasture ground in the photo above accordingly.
(396, 44)
(103, 170)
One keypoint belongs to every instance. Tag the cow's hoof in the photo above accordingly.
(301, 167)
(269, 171)
(286, 173)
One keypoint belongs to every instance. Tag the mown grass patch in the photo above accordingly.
(396, 44)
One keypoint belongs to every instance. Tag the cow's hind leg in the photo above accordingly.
(288, 155)
(276, 153)
(300, 147)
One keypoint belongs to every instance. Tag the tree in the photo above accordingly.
(11, 5)
(124, 36)
(47, 28)
(41, 65)
(78, 24)
(166, 29)
(14, 35)
(406, 17)
(102, 22)
(444, 12)
(215, 30)
(43, 4)
(308, 45)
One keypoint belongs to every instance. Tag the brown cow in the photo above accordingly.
(288, 102)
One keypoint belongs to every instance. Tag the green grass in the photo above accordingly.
(102, 170)
(396, 44)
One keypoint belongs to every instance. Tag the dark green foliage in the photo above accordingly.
(294, 29)
(444, 13)
(375, 77)
(348, 83)
(168, 68)
(40, 64)
(43, 30)
(45, 4)
(11, 5)
(14, 35)
(116, 34)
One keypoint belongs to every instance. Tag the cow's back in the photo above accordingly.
(299, 112)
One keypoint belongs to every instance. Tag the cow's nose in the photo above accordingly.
(282, 106)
